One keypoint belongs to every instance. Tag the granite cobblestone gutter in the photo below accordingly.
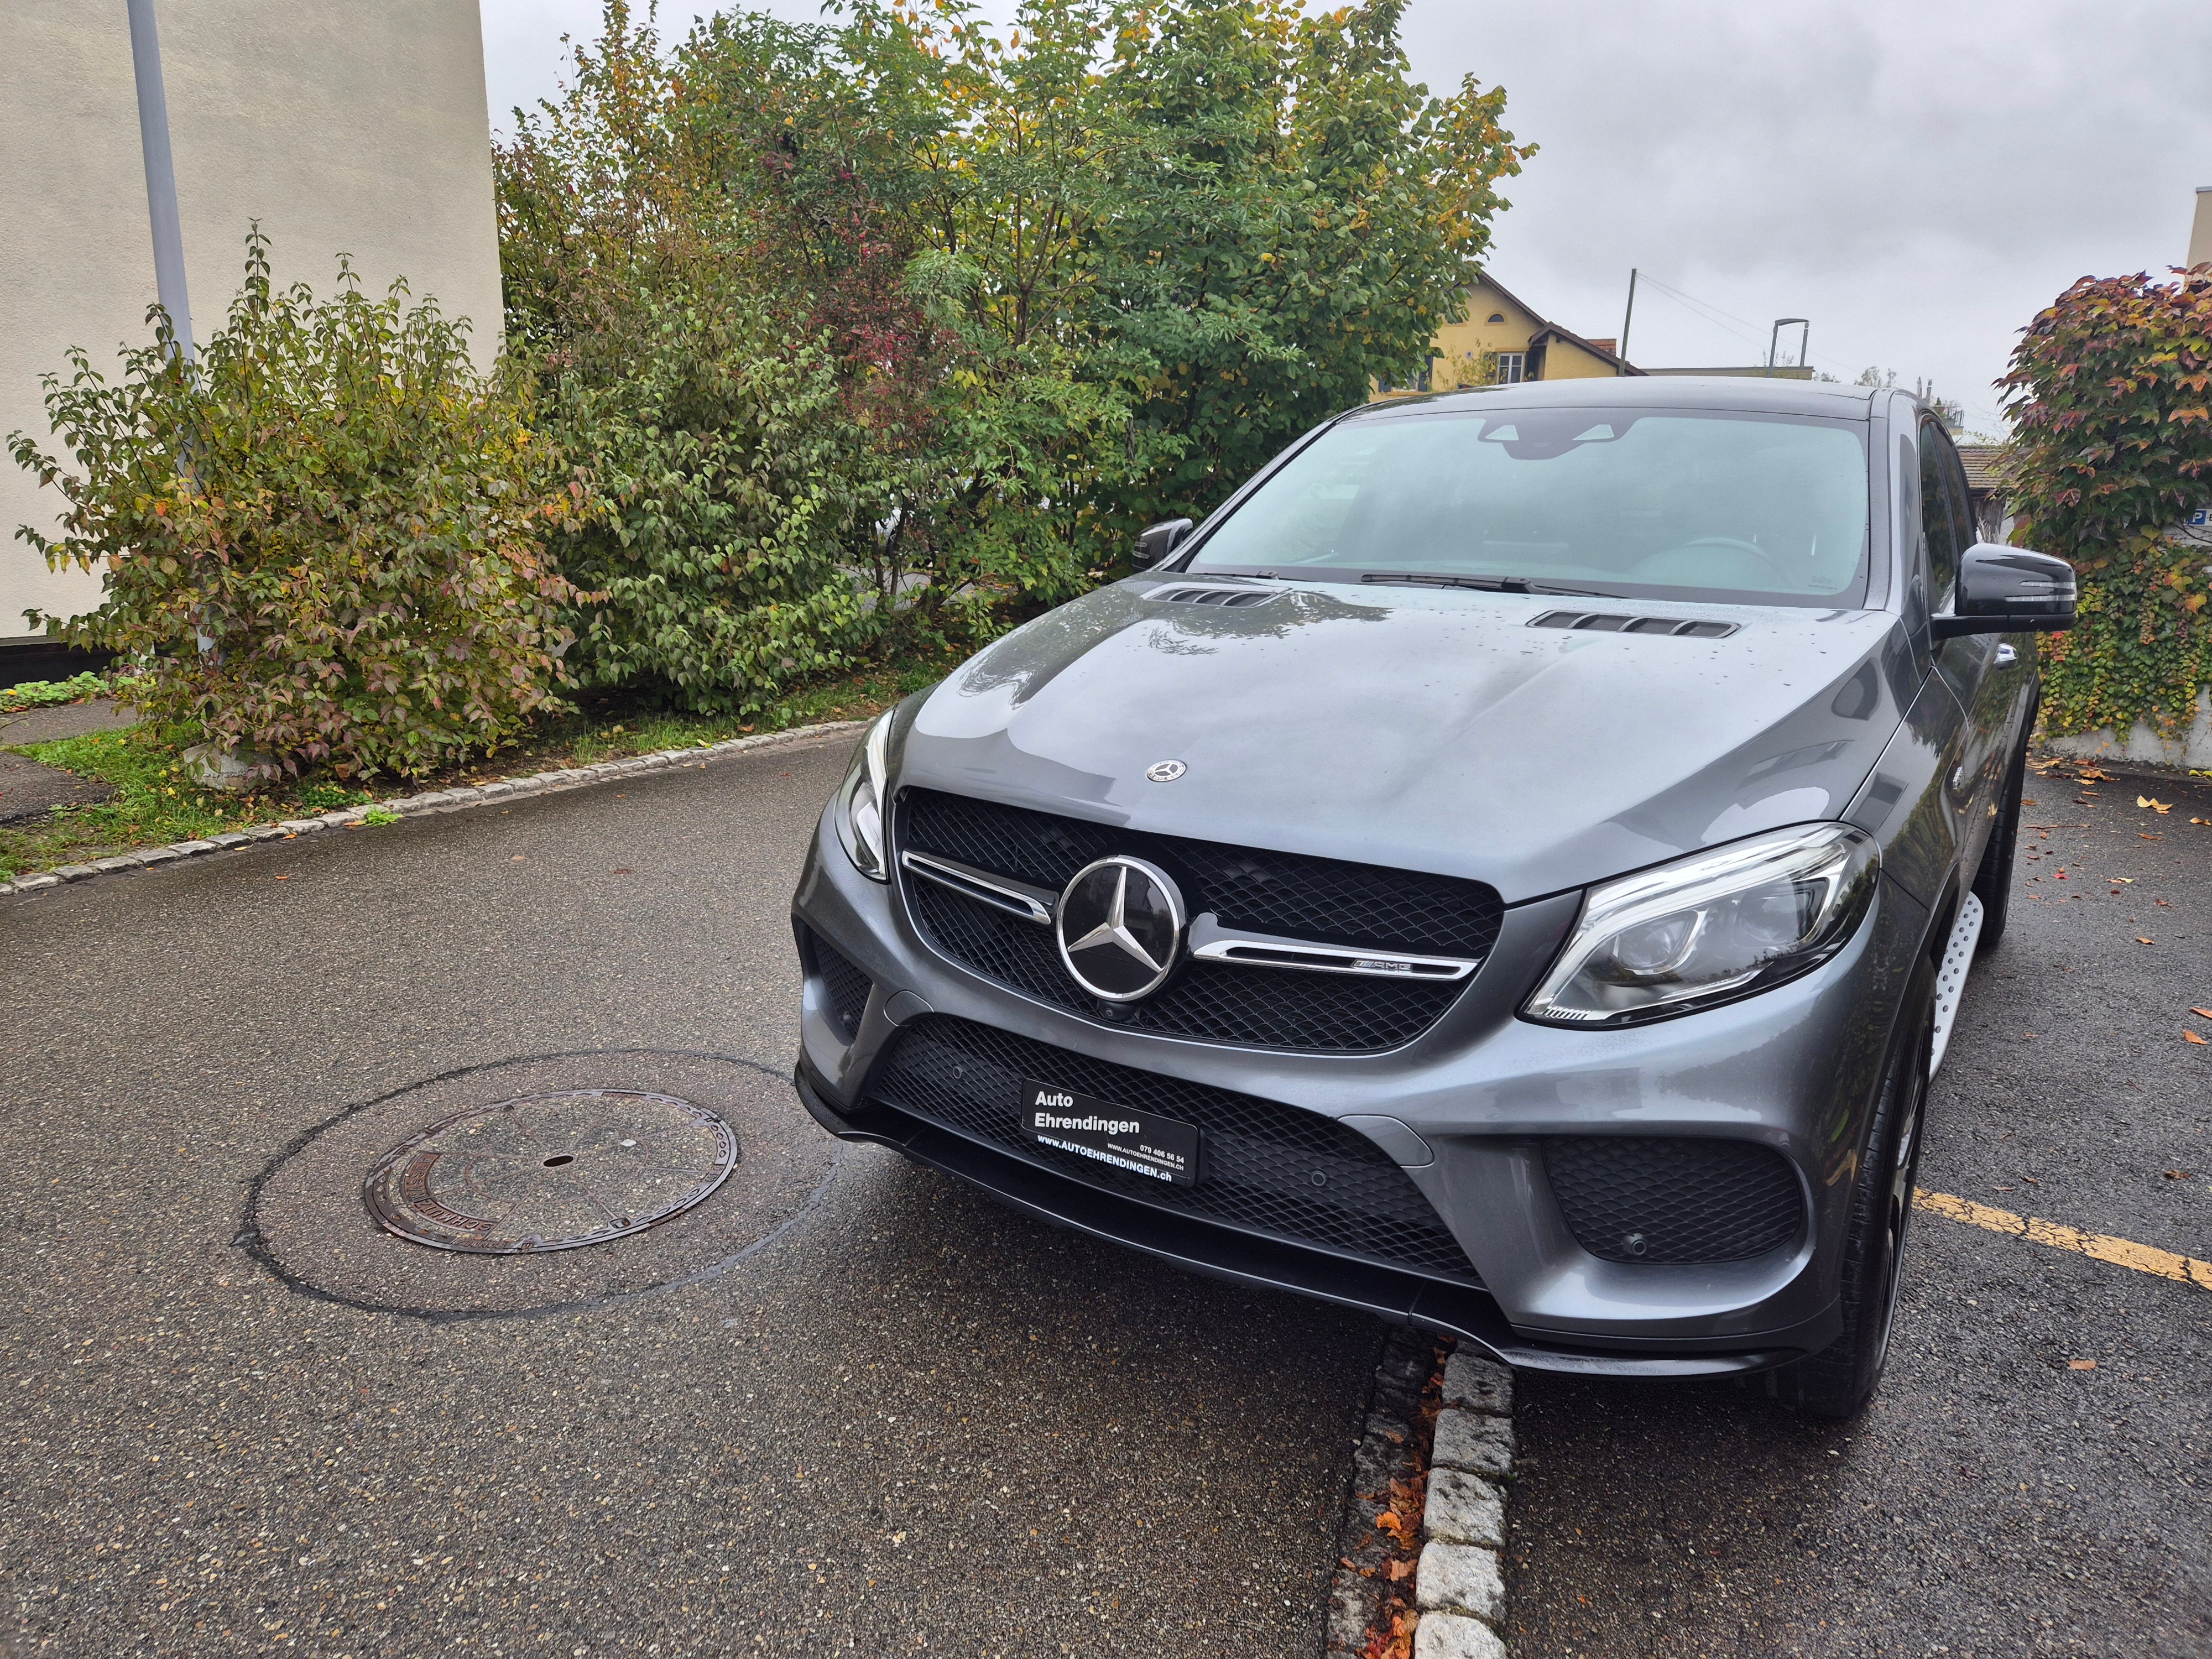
(436, 800)
(1458, 1588)
(1459, 1583)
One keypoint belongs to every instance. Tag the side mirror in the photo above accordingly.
(1154, 542)
(2008, 590)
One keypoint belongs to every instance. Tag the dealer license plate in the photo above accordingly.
(1146, 1143)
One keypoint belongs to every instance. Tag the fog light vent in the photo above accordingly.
(848, 987)
(1648, 1200)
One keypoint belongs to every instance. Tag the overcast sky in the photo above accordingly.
(1917, 177)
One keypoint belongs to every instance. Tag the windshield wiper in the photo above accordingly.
(1483, 583)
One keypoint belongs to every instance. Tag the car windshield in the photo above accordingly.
(1752, 509)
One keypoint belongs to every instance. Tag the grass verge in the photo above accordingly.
(156, 801)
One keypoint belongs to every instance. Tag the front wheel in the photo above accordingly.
(1838, 1381)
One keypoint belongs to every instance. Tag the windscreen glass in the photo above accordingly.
(1752, 509)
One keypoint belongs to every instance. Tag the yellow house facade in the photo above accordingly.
(1499, 340)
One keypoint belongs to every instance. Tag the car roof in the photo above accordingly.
(1751, 394)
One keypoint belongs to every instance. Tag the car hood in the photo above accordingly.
(1419, 728)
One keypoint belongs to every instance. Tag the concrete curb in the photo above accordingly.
(409, 806)
(1458, 1591)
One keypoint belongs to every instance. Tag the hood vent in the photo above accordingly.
(1597, 621)
(1224, 596)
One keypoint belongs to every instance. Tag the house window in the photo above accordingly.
(1512, 368)
(1497, 316)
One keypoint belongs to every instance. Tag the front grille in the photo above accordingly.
(1270, 1168)
(847, 986)
(1642, 1198)
(1324, 900)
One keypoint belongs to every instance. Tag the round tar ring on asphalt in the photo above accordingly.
(550, 1171)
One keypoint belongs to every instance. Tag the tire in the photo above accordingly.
(1837, 1382)
(1993, 881)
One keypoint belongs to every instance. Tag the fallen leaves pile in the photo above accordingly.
(1404, 1503)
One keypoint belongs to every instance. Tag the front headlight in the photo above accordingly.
(860, 803)
(1711, 928)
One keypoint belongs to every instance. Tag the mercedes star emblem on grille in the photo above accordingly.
(1166, 771)
(1119, 926)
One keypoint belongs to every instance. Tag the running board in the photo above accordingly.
(1951, 977)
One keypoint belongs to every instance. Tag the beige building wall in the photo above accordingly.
(354, 127)
(1565, 361)
(1461, 346)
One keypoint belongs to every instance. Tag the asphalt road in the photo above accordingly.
(882, 1416)
(1995, 1500)
(846, 1407)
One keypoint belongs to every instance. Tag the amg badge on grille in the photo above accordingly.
(1119, 926)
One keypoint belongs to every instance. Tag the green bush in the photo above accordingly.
(710, 538)
(324, 540)
(2112, 403)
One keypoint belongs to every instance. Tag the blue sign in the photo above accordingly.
(2201, 519)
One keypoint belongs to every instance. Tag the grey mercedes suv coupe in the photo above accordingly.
(1512, 868)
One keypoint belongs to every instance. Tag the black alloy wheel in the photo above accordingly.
(1993, 881)
(1837, 1382)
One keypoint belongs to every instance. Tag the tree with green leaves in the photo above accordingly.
(1045, 283)
(2111, 405)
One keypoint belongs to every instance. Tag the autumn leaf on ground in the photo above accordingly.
(1392, 1523)
(2191, 1036)
(2175, 1175)
(1396, 1643)
(2091, 775)
(2140, 940)
(2081, 1365)
(1399, 1570)
(2202, 1013)
(2159, 806)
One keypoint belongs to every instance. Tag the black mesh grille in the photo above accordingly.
(1634, 1198)
(1321, 899)
(1270, 1168)
(846, 985)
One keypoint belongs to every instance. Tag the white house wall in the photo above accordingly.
(354, 127)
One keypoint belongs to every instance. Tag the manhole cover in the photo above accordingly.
(551, 1171)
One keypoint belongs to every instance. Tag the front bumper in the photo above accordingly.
(1793, 1069)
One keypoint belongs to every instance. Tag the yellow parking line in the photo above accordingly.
(2120, 1252)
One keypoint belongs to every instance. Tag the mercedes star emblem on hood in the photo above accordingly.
(1166, 771)
(1120, 927)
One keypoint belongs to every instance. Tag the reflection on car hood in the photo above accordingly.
(1420, 728)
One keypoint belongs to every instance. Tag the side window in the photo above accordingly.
(1939, 515)
(1961, 498)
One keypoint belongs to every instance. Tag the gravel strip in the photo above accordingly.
(436, 800)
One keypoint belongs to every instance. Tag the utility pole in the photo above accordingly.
(161, 174)
(1627, 316)
(225, 771)
(1804, 354)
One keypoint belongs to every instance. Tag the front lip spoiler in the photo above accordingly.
(1223, 1253)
